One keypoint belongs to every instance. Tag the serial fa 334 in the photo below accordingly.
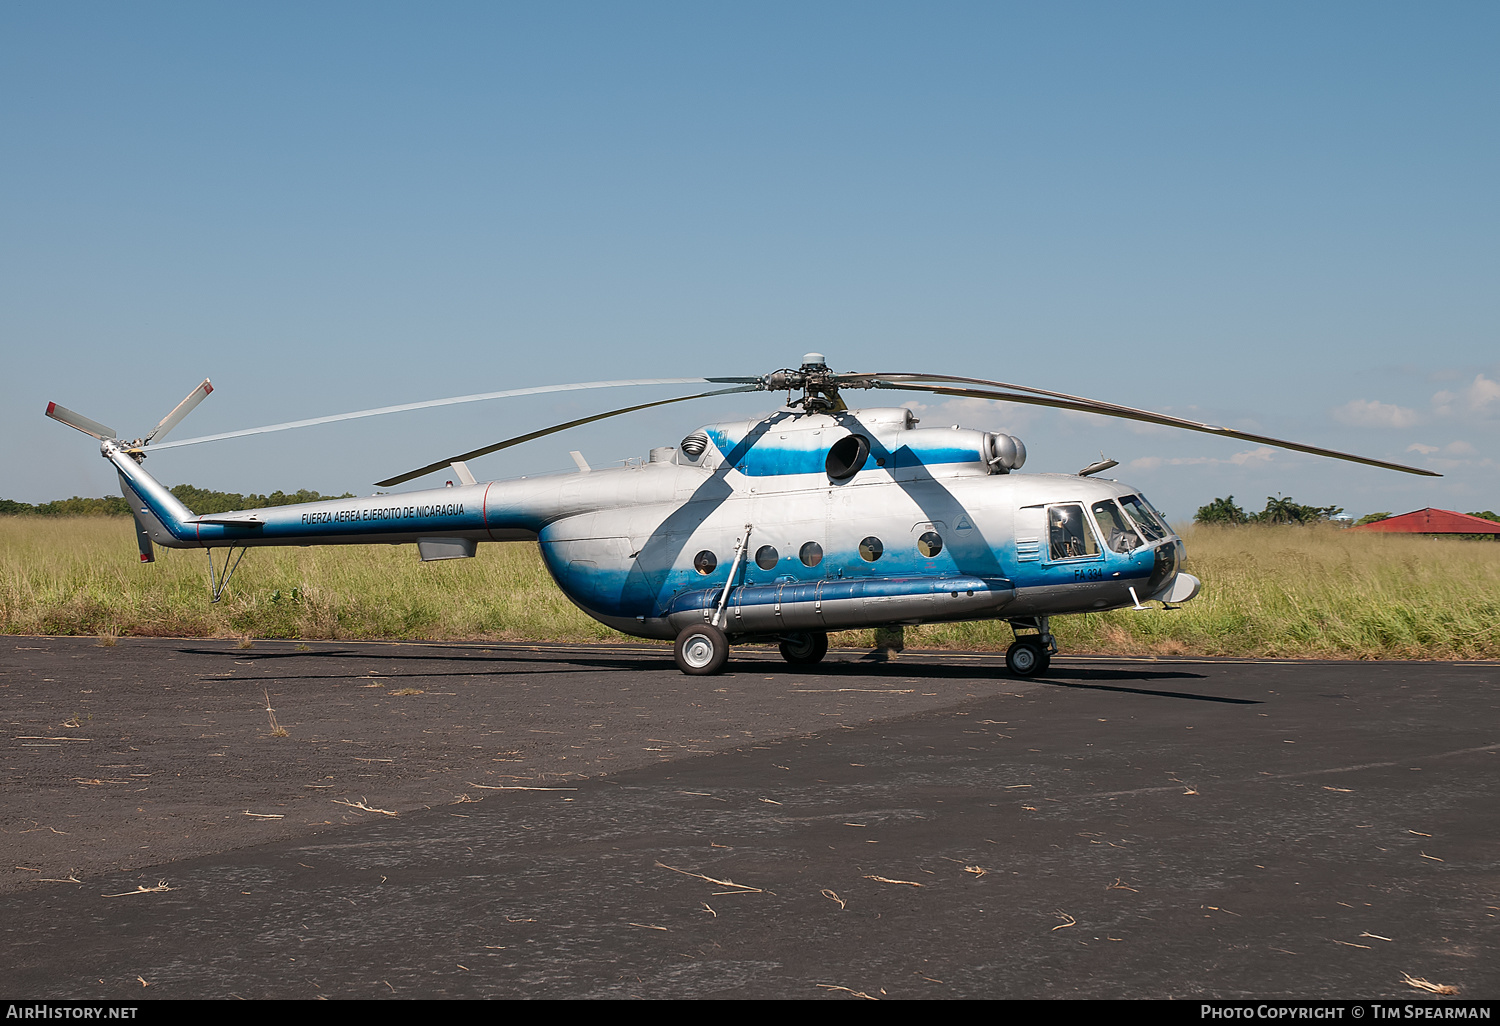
(816, 518)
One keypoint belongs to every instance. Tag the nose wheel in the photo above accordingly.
(701, 651)
(1027, 659)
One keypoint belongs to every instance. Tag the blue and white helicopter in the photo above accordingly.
(816, 518)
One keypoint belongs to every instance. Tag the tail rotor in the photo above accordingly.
(134, 449)
(107, 434)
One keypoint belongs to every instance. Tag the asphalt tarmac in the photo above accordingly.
(517, 821)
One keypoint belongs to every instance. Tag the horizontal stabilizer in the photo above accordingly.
(230, 520)
(79, 421)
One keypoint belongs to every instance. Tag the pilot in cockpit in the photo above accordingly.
(1067, 532)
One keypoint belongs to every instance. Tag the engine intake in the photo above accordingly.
(1004, 453)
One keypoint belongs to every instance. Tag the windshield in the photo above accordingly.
(1161, 517)
(1144, 518)
(1118, 534)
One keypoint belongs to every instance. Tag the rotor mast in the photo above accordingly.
(819, 385)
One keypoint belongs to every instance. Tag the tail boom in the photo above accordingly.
(410, 517)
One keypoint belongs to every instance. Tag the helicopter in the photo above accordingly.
(781, 529)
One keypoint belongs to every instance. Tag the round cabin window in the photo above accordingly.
(930, 544)
(705, 562)
(811, 554)
(766, 557)
(847, 456)
(870, 549)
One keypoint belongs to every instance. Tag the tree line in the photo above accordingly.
(1279, 510)
(199, 500)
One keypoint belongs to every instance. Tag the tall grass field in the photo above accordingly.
(1305, 592)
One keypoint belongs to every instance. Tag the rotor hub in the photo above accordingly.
(819, 385)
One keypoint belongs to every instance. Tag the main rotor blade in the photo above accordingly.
(79, 421)
(474, 453)
(182, 409)
(480, 397)
(1059, 400)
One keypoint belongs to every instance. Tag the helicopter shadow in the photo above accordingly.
(974, 554)
(643, 590)
(1121, 675)
(503, 665)
(1083, 678)
(500, 664)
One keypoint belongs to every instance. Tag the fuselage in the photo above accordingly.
(813, 521)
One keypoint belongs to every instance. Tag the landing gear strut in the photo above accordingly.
(1031, 654)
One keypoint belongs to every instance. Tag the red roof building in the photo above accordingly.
(1433, 521)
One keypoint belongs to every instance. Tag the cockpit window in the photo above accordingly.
(1068, 536)
(1118, 534)
(1153, 529)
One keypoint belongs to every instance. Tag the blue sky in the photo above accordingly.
(1281, 217)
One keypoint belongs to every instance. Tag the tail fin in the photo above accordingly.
(143, 540)
(145, 523)
(159, 516)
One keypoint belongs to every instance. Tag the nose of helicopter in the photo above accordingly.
(1167, 583)
(1163, 567)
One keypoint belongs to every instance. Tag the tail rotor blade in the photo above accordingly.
(183, 408)
(79, 421)
(485, 451)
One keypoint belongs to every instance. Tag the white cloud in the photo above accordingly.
(1453, 465)
(1373, 414)
(1480, 399)
(1451, 456)
(1263, 454)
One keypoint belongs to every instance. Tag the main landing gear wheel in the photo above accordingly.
(804, 649)
(1027, 658)
(701, 651)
